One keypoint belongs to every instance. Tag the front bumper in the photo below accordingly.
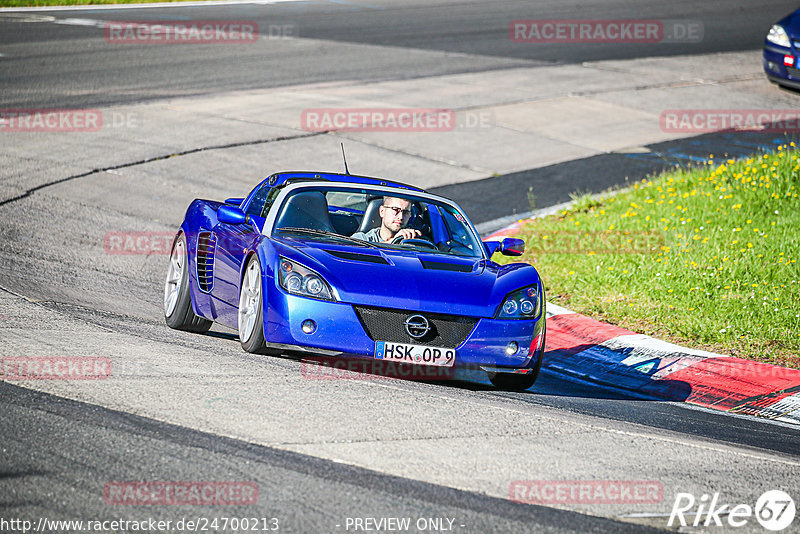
(776, 70)
(339, 331)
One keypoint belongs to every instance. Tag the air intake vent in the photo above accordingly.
(206, 248)
(355, 256)
(447, 266)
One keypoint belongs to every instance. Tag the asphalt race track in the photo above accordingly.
(329, 454)
(472, 35)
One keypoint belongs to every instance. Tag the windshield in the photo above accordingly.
(369, 218)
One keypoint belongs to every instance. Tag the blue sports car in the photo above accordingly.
(782, 50)
(357, 267)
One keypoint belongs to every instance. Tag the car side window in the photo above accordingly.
(262, 201)
(456, 227)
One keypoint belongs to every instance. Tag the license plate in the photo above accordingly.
(416, 354)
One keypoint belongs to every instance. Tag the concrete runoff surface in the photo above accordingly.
(68, 295)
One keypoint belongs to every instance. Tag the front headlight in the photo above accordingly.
(299, 280)
(778, 36)
(523, 303)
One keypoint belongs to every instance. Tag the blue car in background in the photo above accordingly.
(782, 50)
(281, 267)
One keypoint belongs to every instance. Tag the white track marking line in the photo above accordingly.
(106, 7)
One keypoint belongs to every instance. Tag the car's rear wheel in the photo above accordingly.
(178, 311)
(251, 309)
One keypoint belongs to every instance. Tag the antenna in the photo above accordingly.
(345, 160)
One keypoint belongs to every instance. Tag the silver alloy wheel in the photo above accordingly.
(249, 300)
(172, 287)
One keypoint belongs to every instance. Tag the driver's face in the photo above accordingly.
(395, 214)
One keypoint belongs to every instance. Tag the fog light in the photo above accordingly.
(511, 348)
(309, 326)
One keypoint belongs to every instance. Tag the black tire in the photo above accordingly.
(182, 316)
(515, 382)
(255, 342)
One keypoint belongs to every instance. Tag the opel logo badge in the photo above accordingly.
(417, 326)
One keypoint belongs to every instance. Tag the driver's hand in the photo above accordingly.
(406, 233)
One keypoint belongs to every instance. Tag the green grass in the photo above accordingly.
(705, 257)
(48, 3)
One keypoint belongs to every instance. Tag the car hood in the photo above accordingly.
(411, 280)
(791, 23)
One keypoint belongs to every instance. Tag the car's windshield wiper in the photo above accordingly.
(325, 233)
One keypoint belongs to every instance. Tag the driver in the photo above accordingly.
(394, 214)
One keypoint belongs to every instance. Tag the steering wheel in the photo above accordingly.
(414, 241)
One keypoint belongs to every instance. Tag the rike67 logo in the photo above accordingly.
(774, 510)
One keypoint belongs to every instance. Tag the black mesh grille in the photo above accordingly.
(382, 324)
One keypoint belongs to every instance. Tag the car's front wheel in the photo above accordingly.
(513, 382)
(251, 309)
(518, 382)
(178, 311)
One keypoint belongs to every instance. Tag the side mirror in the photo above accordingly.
(231, 215)
(511, 246)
